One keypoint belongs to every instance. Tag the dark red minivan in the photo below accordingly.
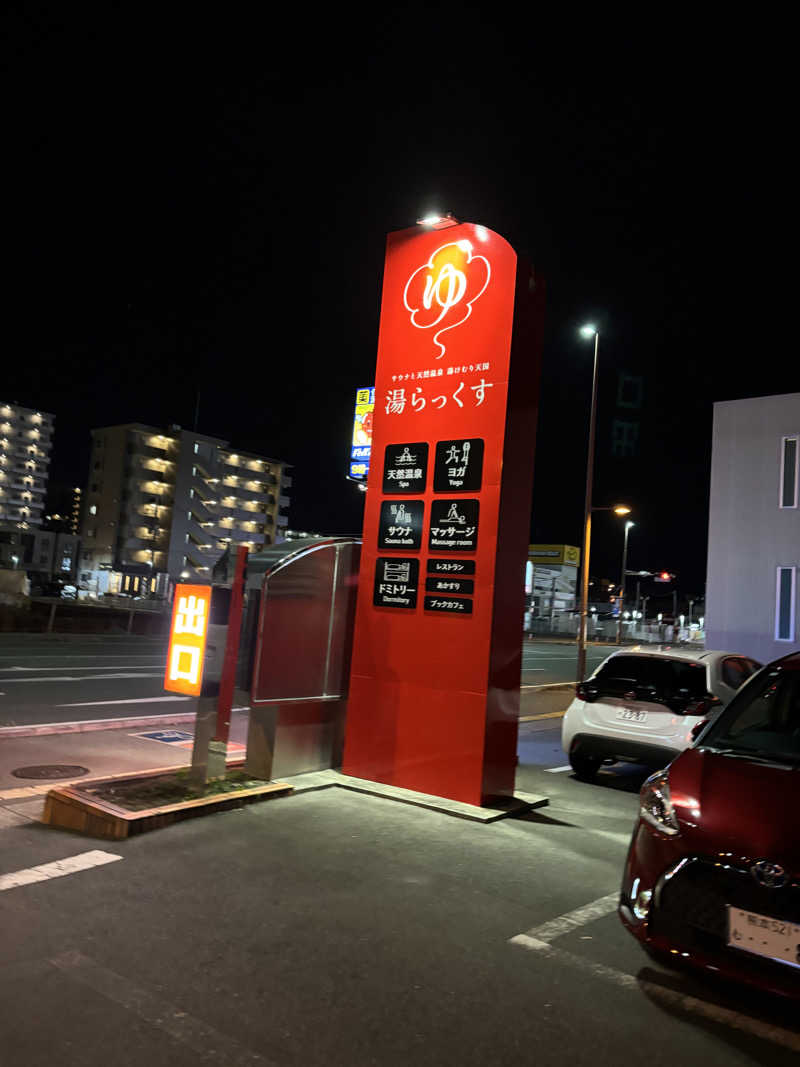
(713, 871)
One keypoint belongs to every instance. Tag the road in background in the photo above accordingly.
(63, 678)
(546, 662)
(50, 678)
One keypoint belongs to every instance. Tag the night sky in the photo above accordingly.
(205, 205)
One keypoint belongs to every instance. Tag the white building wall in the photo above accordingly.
(750, 534)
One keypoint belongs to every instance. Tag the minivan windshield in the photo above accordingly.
(762, 720)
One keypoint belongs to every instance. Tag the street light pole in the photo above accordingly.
(622, 582)
(587, 514)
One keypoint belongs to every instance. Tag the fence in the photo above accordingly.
(639, 632)
(111, 615)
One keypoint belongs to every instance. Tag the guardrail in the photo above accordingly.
(124, 608)
(654, 633)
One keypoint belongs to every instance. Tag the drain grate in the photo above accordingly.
(50, 770)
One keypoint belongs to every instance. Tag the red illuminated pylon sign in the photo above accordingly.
(187, 639)
(434, 688)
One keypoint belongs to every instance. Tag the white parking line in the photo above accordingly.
(71, 865)
(571, 920)
(209, 1043)
(559, 770)
(82, 678)
(127, 700)
(91, 667)
(79, 655)
(669, 997)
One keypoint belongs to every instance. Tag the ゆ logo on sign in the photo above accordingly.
(442, 291)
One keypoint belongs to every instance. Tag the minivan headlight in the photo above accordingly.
(655, 804)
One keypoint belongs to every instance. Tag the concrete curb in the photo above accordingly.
(86, 725)
(547, 701)
(519, 804)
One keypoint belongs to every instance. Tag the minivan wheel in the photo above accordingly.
(585, 767)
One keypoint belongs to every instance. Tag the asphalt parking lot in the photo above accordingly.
(332, 927)
(337, 928)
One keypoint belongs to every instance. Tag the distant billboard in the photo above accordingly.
(554, 554)
(361, 447)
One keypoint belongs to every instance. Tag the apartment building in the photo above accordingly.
(65, 516)
(26, 437)
(754, 527)
(162, 506)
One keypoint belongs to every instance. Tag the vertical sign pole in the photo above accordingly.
(226, 685)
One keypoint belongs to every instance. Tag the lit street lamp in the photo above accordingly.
(618, 509)
(587, 331)
(628, 526)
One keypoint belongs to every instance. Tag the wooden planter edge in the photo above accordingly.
(71, 808)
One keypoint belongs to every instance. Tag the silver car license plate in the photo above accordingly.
(631, 715)
(764, 936)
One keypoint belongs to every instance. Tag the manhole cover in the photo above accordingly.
(50, 770)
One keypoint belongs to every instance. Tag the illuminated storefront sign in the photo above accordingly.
(554, 554)
(434, 687)
(361, 448)
(187, 639)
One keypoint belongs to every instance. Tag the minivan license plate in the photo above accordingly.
(763, 936)
(631, 715)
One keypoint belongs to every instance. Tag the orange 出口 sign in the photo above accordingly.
(187, 639)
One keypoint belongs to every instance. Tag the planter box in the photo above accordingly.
(76, 808)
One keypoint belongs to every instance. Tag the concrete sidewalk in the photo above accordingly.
(120, 749)
(103, 753)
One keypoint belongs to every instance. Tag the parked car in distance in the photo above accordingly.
(713, 871)
(641, 706)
